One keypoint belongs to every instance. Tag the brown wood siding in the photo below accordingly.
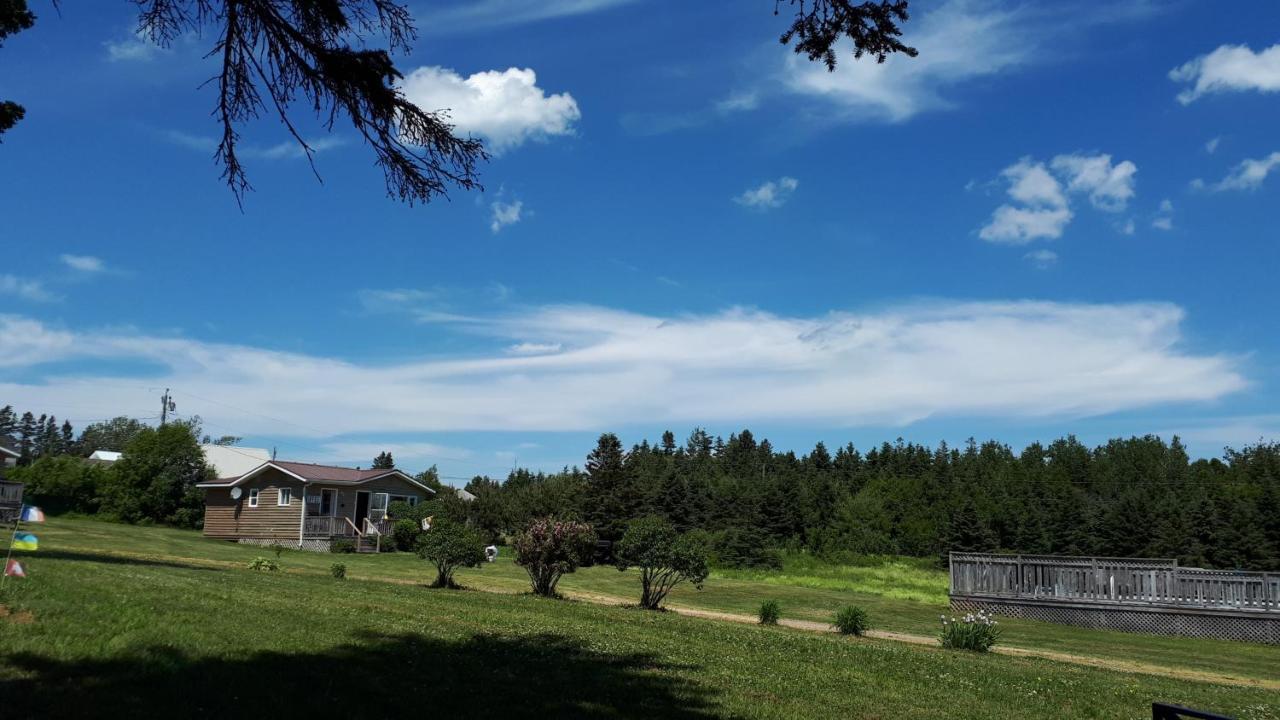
(227, 518)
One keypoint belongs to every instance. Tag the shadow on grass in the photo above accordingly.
(118, 560)
(375, 676)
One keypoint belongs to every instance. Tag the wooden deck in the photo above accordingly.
(1133, 594)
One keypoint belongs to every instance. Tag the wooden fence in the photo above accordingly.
(1124, 580)
(1131, 594)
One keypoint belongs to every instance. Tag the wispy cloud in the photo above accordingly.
(471, 15)
(503, 214)
(1042, 259)
(1230, 68)
(25, 289)
(284, 150)
(137, 47)
(506, 107)
(959, 41)
(990, 359)
(769, 195)
(83, 263)
(1164, 217)
(1248, 175)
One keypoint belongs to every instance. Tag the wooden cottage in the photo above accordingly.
(306, 506)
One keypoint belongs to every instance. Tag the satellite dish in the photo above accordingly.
(236, 493)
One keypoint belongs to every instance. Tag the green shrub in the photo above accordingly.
(338, 571)
(975, 631)
(851, 620)
(450, 545)
(770, 610)
(549, 549)
(665, 558)
(263, 564)
(404, 531)
(342, 545)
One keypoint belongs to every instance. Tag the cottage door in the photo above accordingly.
(362, 508)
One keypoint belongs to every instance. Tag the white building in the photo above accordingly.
(233, 460)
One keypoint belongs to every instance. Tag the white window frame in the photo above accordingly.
(373, 506)
(253, 497)
(284, 496)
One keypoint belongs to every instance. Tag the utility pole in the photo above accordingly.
(166, 406)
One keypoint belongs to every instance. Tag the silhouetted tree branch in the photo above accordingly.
(14, 18)
(872, 26)
(274, 53)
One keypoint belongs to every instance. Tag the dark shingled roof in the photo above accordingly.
(315, 473)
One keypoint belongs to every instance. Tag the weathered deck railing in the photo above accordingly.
(323, 526)
(10, 494)
(1111, 580)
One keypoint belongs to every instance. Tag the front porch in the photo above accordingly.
(335, 513)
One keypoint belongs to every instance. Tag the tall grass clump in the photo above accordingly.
(851, 620)
(770, 611)
(975, 631)
(338, 571)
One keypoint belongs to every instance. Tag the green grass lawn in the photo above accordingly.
(173, 625)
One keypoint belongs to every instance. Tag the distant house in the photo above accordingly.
(232, 460)
(463, 495)
(306, 506)
(104, 457)
(9, 454)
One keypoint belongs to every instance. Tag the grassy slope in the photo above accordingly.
(163, 638)
(806, 591)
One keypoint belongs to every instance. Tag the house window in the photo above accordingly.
(413, 500)
(284, 496)
(378, 510)
(326, 503)
(253, 497)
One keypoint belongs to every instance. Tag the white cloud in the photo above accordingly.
(1248, 175)
(1235, 431)
(891, 366)
(25, 289)
(504, 214)
(1019, 226)
(505, 107)
(1044, 209)
(739, 102)
(1164, 219)
(532, 348)
(772, 194)
(1109, 186)
(471, 15)
(285, 150)
(959, 41)
(136, 48)
(83, 263)
(1042, 259)
(1212, 146)
(1129, 227)
(1032, 184)
(1230, 68)
(404, 453)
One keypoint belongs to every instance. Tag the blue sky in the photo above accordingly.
(1057, 219)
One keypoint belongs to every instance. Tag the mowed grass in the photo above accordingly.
(93, 635)
(806, 589)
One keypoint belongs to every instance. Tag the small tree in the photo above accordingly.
(450, 545)
(551, 548)
(665, 558)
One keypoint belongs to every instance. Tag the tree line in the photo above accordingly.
(154, 481)
(1140, 496)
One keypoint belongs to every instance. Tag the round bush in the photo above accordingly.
(338, 571)
(769, 612)
(851, 620)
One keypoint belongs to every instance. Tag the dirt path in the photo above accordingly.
(1103, 663)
